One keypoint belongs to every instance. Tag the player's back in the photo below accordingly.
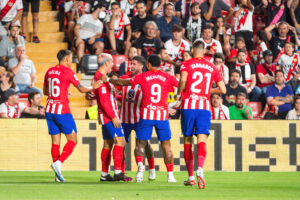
(156, 86)
(201, 74)
(57, 81)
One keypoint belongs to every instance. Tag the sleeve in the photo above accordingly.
(33, 70)
(188, 46)
(269, 92)
(105, 101)
(2, 48)
(289, 116)
(46, 80)
(184, 23)
(22, 108)
(226, 111)
(155, 5)
(126, 20)
(290, 90)
(73, 78)
(229, 32)
(81, 20)
(224, 6)
(226, 74)
(204, 7)
(252, 68)
(136, 80)
(174, 81)
(122, 69)
(280, 61)
(259, 69)
(12, 63)
(158, 45)
(3, 108)
(236, 8)
(263, 47)
(219, 47)
(20, 5)
(183, 67)
(178, 6)
(217, 76)
(100, 27)
(232, 54)
(139, 43)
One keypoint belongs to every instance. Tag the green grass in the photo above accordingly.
(86, 185)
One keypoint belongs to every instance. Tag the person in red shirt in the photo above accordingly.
(266, 72)
(195, 87)
(155, 85)
(112, 131)
(58, 114)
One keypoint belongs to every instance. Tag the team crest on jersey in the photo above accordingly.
(10, 4)
(214, 47)
(295, 60)
(181, 48)
(104, 90)
(130, 95)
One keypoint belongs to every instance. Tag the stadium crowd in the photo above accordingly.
(258, 63)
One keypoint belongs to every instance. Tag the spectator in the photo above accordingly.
(260, 39)
(183, 9)
(11, 108)
(129, 8)
(10, 12)
(294, 114)
(34, 99)
(213, 8)
(158, 8)
(295, 84)
(88, 31)
(219, 61)
(166, 62)
(116, 24)
(280, 95)
(289, 62)
(92, 111)
(166, 22)
(266, 72)
(295, 13)
(277, 42)
(193, 23)
(233, 88)
(248, 75)
(6, 82)
(239, 44)
(35, 7)
(9, 43)
(24, 71)
(140, 20)
(277, 10)
(218, 111)
(212, 46)
(125, 67)
(240, 111)
(148, 44)
(187, 55)
(176, 46)
(222, 34)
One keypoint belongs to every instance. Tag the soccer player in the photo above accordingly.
(112, 131)
(130, 111)
(155, 85)
(197, 76)
(58, 115)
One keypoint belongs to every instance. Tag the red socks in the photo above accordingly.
(123, 166)
(201, 153)
(118, 157)
(151, 163)
(55, 152)
(105, 158)
(169, 167)
(189, 158)
(68, 149)
(139, 159)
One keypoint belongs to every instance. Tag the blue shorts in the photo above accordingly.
(127, 130)
(61, 123)
(194, 122)
(110, 132)
(145, 128)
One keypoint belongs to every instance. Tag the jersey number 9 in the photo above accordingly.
(156, 93)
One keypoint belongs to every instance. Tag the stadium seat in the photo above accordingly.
(23, 96)
(89, 64)
(256, 108)
(118, 59)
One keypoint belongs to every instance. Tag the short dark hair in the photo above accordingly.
(195, 4)
(235, 71)
(176, 28)
(207, 27)
(63, 53)
(169, 4)
(290, 43)
(140, 59)
(219, 55)
(31, 96)
(115, 3)
(113, 74)
(154, 60)
(140, 1)
(279, 71)
(240, 39)
(241, 51)
(261, 35)
(241, 94)
(198, 44)
(161, 49)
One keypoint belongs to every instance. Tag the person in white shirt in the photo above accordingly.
(88, 31)
(212, 46)
(244, 24)
(177, 46)
(294, 114)
(218, 110)
(219, 61)
(129, 8)
(12, 108)
(289, 62)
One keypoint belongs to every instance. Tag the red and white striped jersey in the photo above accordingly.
(131, 102)
(201, 74)
(155, 85)
(106, 100)
(57, 82)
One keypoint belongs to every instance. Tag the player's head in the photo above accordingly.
(234, 77)
(34, 98)
(64, 57)
(153, 61)
(240, 99)
(163, 54)
(198, 48)
(289, 48)
(137, 64)
(216, 100)
(105, 62)
(177, 32)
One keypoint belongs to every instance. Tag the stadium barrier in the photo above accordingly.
(232, 146)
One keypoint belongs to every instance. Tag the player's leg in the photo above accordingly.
(106, 158)
(150, 158)
(187, 128)
(118, 155)
(164, 135)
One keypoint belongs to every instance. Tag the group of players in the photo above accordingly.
(144, 106)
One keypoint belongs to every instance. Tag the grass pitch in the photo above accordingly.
(86, 185)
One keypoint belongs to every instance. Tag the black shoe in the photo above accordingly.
(122, 177)
(106, 178)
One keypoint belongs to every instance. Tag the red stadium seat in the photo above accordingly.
(23, 96)
(118, 59)
(256, 108)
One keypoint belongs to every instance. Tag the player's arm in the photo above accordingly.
(84, 89)
(119, 82)
(220, 89)
(182, 82)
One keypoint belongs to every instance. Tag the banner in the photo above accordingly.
(232, 146)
